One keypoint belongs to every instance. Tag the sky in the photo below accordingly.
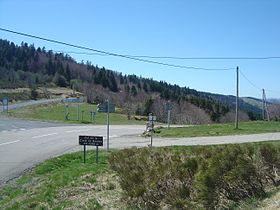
(161, 28)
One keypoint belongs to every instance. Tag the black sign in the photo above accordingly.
(91, 140)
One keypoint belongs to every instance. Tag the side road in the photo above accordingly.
(211, 140)
(21, 149)
(31, 102)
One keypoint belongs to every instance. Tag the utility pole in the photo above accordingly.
(237, 96)
(168, 107)
(265, 107)
(108, 111)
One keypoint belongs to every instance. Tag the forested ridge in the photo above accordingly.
(27, 66)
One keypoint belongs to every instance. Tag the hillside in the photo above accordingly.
(25, 66)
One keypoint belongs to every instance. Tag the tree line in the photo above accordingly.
(27, 66)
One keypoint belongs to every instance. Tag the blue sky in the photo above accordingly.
(189, 28)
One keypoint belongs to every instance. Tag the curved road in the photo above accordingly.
(24, 144)
(29, 103)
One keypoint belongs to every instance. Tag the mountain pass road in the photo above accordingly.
(29, 143)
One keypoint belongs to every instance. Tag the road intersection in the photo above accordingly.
(33, 142)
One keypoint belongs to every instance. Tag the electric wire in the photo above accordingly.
(179, 58)
(246, 78)
(140, 57)
(115, 54)
(257, 87)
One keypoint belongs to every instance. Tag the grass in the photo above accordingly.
(16, 96)
(56, 112)
(65, 182)
(61, 182)
(254, 127)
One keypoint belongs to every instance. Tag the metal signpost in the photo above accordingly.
(69, 101)
(78, 112)
(107, 107)
(108, 123)
(5, 102)
(92, 115)
(91, 141)
(66, 111)
(152, 119)
(168, 108)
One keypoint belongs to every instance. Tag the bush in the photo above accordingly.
(229, 175)
(155, 177)
(205, 178)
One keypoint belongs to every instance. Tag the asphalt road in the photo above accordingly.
(29, 103)
(23, 147)
(13, 124)
(33, 142)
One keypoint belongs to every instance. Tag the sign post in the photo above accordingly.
(107, 107)
(84, 153)
(78, 112)
(92, 115)
(5, 102)
(66, 111)
(168, 108)
(91, 141)
(108, 129)
(74, 100)
(151, 122)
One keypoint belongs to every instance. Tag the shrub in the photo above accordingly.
(202, 178)
(155, 177)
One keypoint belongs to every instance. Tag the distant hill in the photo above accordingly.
(25, 66)
(274, 100)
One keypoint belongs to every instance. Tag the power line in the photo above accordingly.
(182, 58)
(273, 91)
(115, 54)
(206, 58)
(255, 86)
(78, 53)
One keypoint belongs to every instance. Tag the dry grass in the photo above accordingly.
(272, 203)
(106, 192)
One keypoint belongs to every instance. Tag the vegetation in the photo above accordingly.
(25, 94)
(176, 177)
(217, 177)
(64, 182)
(26, 66)
(253, 127)
(58, 112)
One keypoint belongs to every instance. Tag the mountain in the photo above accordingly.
(274, 100)
(26, 66)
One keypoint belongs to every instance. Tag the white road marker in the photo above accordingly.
(11, 142)
(45, 135)
(77, 131)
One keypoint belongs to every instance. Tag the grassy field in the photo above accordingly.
(66, 182)
(63, 182)
(219, 129)
(57, 112)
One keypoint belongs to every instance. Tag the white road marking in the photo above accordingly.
(114, 136)
(41, 136)
(11, 142)
(76, 131)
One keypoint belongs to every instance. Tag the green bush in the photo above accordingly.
(153, 177)
(229, 175)
(203, 178)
